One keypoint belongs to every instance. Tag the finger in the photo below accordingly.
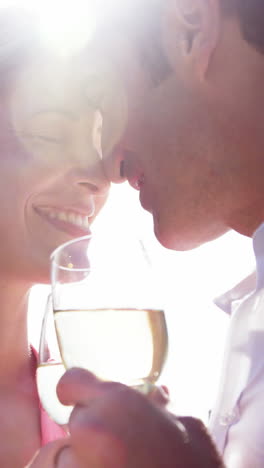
(81, 387)
(78, 386)
(159, 396)
(201, 441)
(66, 458)
(165, 390)
(99, 432)
(119, 430)
(95, 444)
(46, 456)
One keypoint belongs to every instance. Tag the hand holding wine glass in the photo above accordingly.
(110, 322)
(113, 426)
(107, 316)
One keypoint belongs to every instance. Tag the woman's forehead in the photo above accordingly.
(48, 85)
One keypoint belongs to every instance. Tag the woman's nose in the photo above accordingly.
(87, 167)
(87, 171)
(93, 179)
(95, 187)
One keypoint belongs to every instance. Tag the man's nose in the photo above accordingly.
(114, 166)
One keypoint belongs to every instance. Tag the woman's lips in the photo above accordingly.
(70, 222)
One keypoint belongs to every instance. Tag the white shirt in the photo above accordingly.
(237, 421)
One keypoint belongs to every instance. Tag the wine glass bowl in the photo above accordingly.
(50, 368)
(107, 314)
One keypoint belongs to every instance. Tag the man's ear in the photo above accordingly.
(191, 31)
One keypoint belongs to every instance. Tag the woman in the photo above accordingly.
(52, 187)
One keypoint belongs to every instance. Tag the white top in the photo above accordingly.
(237, 421)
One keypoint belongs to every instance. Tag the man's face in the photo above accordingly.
(188, 144)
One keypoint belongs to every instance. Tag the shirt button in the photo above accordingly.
(230, 417)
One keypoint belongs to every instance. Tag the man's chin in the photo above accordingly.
(172, 240)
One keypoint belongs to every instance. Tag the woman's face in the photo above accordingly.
(52, 180)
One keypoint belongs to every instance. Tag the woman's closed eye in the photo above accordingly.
(46, 138)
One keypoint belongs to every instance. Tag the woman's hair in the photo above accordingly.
(20, 42)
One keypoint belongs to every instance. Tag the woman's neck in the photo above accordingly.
(15, 362)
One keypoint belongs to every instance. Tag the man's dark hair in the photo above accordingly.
(251, 17)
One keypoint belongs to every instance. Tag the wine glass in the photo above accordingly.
(107, 314)
(50, 369)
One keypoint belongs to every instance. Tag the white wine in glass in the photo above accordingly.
(125, 345)
(107, 316)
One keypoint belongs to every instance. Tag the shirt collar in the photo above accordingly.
(239, 292)
(258, 246)
(255, 281)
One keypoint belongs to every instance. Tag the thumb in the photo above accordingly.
(159, 396)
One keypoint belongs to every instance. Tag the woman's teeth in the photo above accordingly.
(69, 217)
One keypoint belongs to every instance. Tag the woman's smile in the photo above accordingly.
(72, 222)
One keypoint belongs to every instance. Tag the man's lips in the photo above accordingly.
(69, 221)
(136, 182)
(130, 169)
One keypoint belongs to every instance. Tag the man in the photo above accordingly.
(193, 147)
(188, 134)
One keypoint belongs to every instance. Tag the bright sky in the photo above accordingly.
(188, 281)
(66, 24)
